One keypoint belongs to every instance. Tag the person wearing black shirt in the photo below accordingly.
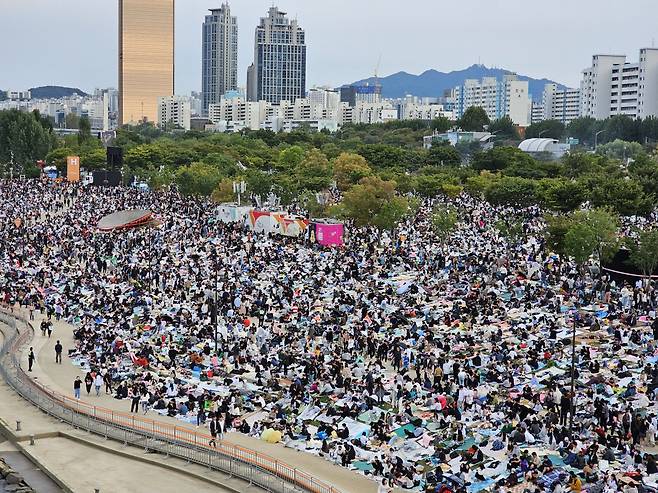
(58, 352)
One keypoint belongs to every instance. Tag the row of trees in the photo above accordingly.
(586, 234)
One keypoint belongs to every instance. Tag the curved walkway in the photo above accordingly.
(60, 379)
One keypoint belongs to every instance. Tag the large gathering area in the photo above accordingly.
(474, 361)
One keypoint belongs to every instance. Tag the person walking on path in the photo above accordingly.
(98, 383)
(58, 352)
(89, 381)
(30, 359)
(76, 387)
(108, 382)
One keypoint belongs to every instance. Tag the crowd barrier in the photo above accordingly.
(255, 467)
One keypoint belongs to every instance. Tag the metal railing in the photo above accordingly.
(255, 467)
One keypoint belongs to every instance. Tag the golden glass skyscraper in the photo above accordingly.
(146, 58)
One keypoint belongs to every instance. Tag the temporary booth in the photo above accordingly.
(328, 232)
(293, 226)
(265, 221)
(232, 213)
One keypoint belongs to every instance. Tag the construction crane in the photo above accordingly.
(379, 62)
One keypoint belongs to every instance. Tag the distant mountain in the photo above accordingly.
(433, 83)
(48, 92)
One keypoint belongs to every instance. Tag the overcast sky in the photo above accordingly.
(74, 42)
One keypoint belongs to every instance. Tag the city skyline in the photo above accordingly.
(489, 34)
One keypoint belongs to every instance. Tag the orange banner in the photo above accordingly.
(73, 168)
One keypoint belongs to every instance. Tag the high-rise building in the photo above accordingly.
(220, 55)
(361, 93)
(506, 97)
(174, 112)
(612, 86)
(279, 69)
(146, 58)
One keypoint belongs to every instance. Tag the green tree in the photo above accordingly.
(582, 129)
(622, 150)
(478, 185)
(84, 130)
(382, 156)
(349, 169)
(592, 233)
(562, 194)
(620, 127)
(309, 201)
(57, 157)
(443, 154)
(72, 121)
(547, 129)
(259, 183)
(645, 171)
(500, 158)
(444, 221)
(510, 190)
(197, 179)
(314, 172)
(624, 195)
(290, 158)
(440, 124)
(511, 228)
(93, 159)
(23, 137)
(223, 192)
(428, 185)
(644, 254)
(474, 119)
(504, 127)
(374, 201)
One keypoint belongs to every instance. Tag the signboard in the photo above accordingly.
(73, 168)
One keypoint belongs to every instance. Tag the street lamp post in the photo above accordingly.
(542, 132)
(239, 188)
(596, 139)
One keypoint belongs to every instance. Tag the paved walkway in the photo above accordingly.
(60, 378)
(90, 461)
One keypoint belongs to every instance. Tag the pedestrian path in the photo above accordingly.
(59, 377)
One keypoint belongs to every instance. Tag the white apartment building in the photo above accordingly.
(319, 111)
(612, 86)
(557, 104)
(19, 95)
(415, 109)
(507, 97)
(325, 97)
(238, 113)
(96, 108)
(647, 94)
(174, 111)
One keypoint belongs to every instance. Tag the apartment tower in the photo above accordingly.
(219, 55)
(279, 69)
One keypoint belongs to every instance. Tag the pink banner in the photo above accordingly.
(329, 234)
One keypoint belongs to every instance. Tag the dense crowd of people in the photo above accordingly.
(427, 365)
